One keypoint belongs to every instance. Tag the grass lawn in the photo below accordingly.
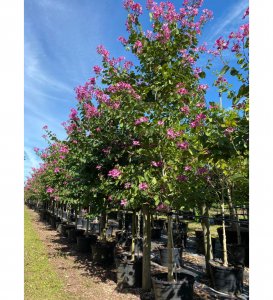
(192, 226)
(41, 281)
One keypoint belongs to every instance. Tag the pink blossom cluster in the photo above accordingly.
(123, 202)
(85, 92)
(136, 143)
(57, 170)
(221, 44)
(181, 89)
(187, 168)
(141, 120)
(101, 96)
(122, 40)
(220, 80)
(130, 4)
(138, 46)
(182, 178)
(143, 186)
(187, 58)
(202, 170)
(171, 134)
(183, 145)
(185, 109)
(90, 111)
(156, 163)
(102, 51)
(203, 87)
(198, 120)
(121, 86)
(50, 190)
(97, 69)
(162, 207)
(229, 130)
(36, 149)
(115, 173)
(127, 185)
(160, 123)
(73, 114)
(64, 149)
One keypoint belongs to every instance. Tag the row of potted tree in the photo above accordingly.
(143, 136)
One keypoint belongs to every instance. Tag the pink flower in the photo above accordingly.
(49, 190)
(221, 44)
(200, 104)
(245, 29)
(202, 170)
(102, 51)
(141, 120)
(160, 123)
(98, 167)
(182, 91)
(156, 163)
(127, 185)
(90, 111)
(143, 186)
(246, 13)
(122, 40)
(56, 170)
(187, 168)
(138, 46)
(220, 80)
(97, 69)
(36, 149)
(45, 127)
(203, 87)
(229, 130)
(182, 178)
(73, 114)
(236, 47)
(115, 173)
(136, 143)
(162, 207)
(185, 109)
(183, 145)
(123, 202)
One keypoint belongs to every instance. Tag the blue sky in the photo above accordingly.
(60, 43)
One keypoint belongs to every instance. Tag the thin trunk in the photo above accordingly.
(208, 249)
(170, 249)
(133, 234)
(87, 223)
(235, 224)
(225, 260)
(103, 225)
(146, 263)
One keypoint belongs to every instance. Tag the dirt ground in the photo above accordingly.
(84, 280)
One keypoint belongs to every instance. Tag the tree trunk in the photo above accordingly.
(146, 264)
(235, 224)
(170, 248)
(103, 225)
(225, 260)
(133, 234)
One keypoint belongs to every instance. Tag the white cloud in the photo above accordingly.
(229, 19)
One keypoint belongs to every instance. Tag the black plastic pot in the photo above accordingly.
(65, 228)
(74, 233)
(129, 274)
(103, 253)
(177, 257)
(238, 255)
(181, 289)
(231, 236)
(84, 243)
(227, 279)
(200, 249)
(156, 233)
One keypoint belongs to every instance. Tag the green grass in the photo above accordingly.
(192, 226)
(41, 281)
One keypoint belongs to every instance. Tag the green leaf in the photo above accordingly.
(224, 70)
